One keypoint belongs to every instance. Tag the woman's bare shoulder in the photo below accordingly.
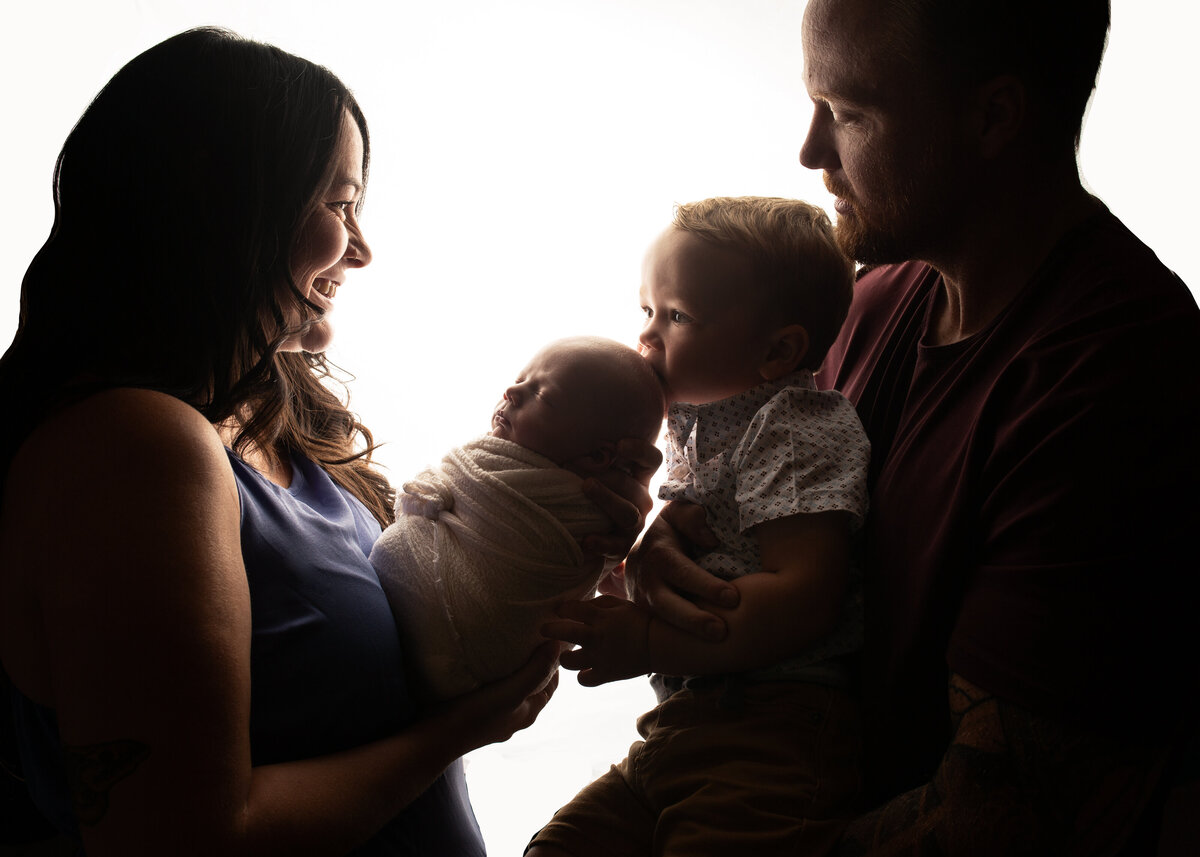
(126, 411)
(122, 463)
(135, 431)
(126, 501)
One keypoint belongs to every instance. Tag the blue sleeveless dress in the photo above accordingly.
(326, 670)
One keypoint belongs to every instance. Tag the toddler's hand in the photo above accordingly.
(612, 635)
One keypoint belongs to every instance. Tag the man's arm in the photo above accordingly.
(660, 574)
(792, 602)
(1015, 782)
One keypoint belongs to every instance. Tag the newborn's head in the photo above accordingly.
(577, 397)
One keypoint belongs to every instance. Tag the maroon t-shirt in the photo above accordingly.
(1033, 508)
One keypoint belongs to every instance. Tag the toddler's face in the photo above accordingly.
(558, 406)
(703, 335)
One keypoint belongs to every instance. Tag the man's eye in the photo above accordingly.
(844, 116)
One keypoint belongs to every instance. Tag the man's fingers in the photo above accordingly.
(691, 522)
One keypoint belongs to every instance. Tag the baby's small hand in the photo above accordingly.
(612, 635)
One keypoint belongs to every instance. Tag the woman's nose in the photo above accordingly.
(358, 251)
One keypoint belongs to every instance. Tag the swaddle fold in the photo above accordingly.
(483, 547)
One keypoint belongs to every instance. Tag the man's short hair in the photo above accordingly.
(1053, 46)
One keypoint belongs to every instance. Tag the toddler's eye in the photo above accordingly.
(649, 312)
(679, 318)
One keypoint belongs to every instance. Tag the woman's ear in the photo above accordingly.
(788, 346)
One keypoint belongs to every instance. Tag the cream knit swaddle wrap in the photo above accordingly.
(483, 547)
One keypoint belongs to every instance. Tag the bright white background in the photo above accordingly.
(524, 155)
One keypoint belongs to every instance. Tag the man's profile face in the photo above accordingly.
(886, 146)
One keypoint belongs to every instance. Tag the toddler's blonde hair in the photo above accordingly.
(803, 275)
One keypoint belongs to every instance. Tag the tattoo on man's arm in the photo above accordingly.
(93, 770)
(1014, 782)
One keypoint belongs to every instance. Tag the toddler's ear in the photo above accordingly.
(788, 346)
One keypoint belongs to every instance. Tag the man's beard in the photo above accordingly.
(909, 214)
(878, 236)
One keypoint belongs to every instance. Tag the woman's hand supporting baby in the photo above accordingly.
(621, 491)
(494, 712)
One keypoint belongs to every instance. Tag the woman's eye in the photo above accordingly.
(342, 208)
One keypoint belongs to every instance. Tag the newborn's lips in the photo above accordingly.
(499, 421)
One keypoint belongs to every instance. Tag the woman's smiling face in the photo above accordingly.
(331, 241)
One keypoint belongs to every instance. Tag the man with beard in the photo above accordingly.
(1026, 371)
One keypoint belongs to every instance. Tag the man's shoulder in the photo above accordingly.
(1102, 282)
(1103, 249)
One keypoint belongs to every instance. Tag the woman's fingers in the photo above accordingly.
(622, 498)
(625, 510)
(620, 493)
(639, 459)
(497, 710)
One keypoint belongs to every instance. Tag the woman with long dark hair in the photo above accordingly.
(199, 655)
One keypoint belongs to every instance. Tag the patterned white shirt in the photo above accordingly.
(783, 448)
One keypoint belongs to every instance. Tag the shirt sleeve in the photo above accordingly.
(804, 452)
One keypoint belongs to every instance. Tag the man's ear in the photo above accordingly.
(1000, 110)
(788, 346)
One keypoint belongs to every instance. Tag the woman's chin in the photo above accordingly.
(315, 340)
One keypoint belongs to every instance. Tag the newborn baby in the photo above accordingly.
(487, 543)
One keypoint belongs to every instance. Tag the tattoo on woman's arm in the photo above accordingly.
(93, 770)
